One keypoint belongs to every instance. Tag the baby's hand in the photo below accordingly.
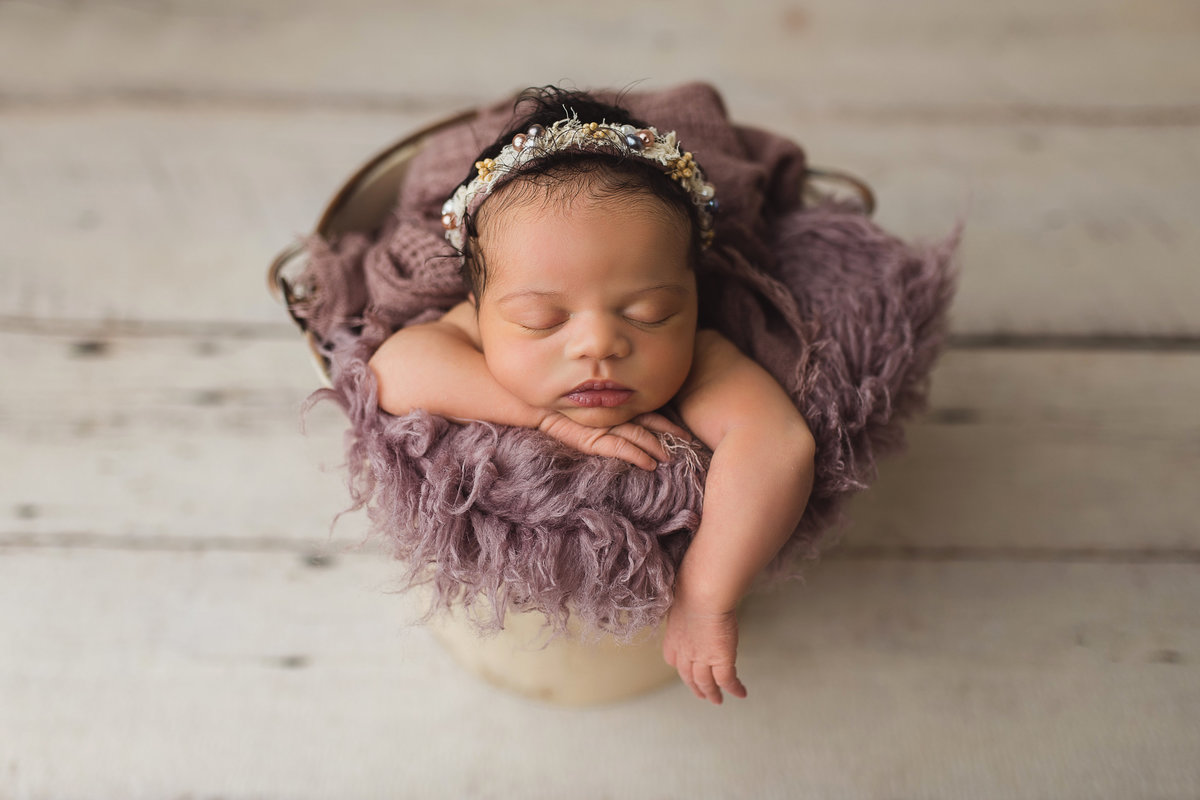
(702, 646)
(632, 441)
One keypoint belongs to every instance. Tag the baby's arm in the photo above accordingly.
(757, 488)
(439, 367)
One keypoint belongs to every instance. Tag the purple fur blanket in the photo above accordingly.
(846, 317)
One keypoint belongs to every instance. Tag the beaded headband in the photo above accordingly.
(571, 134)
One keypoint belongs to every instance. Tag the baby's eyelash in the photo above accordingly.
(641, 323)
(539, 330)
(648, 324)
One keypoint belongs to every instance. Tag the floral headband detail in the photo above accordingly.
(571, 134)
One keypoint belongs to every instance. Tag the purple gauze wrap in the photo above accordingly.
(847, 318)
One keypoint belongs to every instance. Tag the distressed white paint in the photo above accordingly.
(175, 215)
(821, 54)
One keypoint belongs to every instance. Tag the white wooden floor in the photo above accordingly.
(1015, 612)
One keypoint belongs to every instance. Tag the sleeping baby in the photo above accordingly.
(580, 231)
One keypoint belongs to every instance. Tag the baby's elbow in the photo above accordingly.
(790, 438)
(786, 438)
(800, 443)
(797, 450)
(388, 396)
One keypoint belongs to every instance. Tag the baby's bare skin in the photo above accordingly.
(586, 328)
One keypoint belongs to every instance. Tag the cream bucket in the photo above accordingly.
(574, 670)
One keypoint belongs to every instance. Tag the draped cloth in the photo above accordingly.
(848, 318)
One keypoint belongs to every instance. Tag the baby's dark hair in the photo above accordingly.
(600, 175)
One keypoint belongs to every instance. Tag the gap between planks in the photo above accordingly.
(151, 98)
(320, 555)
(146, 329)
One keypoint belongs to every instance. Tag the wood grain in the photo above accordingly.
(174, 216)
(1065, 58)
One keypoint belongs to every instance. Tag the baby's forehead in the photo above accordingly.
(525, 231)
(548, 206)
(571, 244)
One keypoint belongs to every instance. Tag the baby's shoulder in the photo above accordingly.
(713, 358)
(711, 346)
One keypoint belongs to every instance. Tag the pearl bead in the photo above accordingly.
(712, 206)
(633, 142)
(449, 222)
(646, 136)
(535, 131)
(707, 191)
(518, 142)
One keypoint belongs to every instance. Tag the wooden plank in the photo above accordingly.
(174, 439)
(175, 215)
(1046, 451)
(1069, 231)
(825, 54)
(179, 440)
(246, 674)
(165, 216)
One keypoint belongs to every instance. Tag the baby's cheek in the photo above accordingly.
(674, 363)
(517, 372)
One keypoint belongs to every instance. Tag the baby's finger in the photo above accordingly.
(684, 668)
(660, 424)
(727, 679)
(702, 674)
(685, 674)
(616, 445)
(596, 441)
(642, 439)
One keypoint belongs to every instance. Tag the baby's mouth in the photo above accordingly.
(602, 394)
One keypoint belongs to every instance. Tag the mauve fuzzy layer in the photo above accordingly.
(848, 319)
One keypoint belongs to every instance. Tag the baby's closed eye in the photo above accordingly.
(541, 323)
(650, 323)
(649, 313)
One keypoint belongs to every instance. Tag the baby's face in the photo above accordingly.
(589, 308)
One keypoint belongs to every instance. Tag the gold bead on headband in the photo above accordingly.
(571, 134)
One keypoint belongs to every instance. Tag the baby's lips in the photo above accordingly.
(599, 394)
(597, 384)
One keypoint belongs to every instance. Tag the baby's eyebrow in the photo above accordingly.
(523, 293)
(674, 288)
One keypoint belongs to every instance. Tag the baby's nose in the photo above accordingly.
(597, 338)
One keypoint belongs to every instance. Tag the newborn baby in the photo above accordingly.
(580, 238)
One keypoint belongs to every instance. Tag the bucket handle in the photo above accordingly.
(866, 197)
